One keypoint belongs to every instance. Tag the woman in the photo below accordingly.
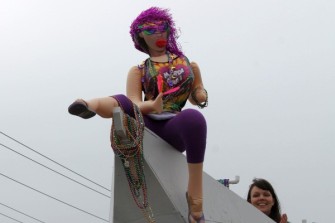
(168, 80)
(262, 195)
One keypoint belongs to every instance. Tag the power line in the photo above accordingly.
(53, 170)
(21, 212)
(63, 202)
(11, 218)
(53, 161)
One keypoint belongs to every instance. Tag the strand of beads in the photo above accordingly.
(171, 73)
(131, 155)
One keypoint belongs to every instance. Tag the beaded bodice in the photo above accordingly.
(174, 78)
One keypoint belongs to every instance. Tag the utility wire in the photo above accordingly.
(53, 170)
(21, 212)
(11, 218)
(53, 161)
(70, 205)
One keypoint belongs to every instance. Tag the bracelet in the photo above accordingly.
(200, 105)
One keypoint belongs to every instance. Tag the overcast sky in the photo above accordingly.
(268, 66)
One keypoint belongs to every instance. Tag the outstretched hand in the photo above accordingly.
(283, 218)
(158, 103)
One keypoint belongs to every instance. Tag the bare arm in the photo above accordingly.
(197, 87)
(134, 93)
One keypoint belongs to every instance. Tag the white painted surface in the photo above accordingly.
(166, 175)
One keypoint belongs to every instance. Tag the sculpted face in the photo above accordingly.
(155, 35)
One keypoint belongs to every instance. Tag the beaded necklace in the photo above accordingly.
(131, 155)
(171, 75)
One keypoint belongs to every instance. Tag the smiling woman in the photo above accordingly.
(262, 195)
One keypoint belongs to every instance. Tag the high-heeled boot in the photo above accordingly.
(195, 206)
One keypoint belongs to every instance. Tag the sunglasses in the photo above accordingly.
(152, 28)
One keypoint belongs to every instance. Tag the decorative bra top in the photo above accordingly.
(173, 78)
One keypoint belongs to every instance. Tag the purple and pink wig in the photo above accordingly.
(151, 15)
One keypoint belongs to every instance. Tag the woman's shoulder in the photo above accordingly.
(194, 64)
(135, 70)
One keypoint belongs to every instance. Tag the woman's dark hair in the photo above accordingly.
(275, 213)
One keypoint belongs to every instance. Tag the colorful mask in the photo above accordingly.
(151, 28)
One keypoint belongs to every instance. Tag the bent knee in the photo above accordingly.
(193, 118)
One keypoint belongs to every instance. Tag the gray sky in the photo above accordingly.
(268, 66)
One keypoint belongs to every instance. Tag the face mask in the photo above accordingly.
(152, 28)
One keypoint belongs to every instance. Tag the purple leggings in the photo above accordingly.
(186, 131)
